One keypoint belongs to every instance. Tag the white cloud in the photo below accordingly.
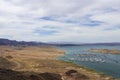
(72, 20)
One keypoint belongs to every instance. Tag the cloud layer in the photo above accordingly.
(60, 20)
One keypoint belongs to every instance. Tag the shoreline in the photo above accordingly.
(91, 70)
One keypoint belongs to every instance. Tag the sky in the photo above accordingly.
(78, 21)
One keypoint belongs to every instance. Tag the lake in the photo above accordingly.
(108, 64)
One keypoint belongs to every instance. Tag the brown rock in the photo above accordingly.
(74, 75)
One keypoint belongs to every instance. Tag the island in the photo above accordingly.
(105, 51)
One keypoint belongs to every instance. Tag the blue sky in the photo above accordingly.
(83, 21)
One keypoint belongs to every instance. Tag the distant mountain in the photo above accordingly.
(109, 44)
(18, 43)
(85, 44)
(25, 43)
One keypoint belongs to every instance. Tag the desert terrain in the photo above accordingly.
(41, 63)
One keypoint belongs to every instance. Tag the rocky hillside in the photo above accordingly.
(6, 74)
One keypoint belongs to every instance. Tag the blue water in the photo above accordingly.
(108, 64)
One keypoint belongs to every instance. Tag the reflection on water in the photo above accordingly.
(107, 63)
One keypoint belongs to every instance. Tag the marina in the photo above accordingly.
(88, 60)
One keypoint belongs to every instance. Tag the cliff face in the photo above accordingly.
(106, 51)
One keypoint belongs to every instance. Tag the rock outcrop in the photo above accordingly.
(6, 74)
(74, 75)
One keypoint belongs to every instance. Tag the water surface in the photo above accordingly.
(108, 64)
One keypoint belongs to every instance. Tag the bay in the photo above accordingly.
(108, 64)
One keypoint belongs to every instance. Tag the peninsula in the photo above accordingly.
(105, 51)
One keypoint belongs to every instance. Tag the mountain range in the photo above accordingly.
(33, 43)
